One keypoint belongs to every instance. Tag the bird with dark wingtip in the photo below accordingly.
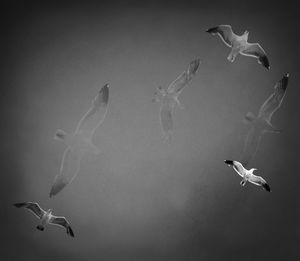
(261, 123)
(80, 142)
(247, 175)
(46, 217)
(239, 44)
(169, 97)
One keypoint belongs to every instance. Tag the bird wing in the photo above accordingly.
(96, 113)
(251, 145)
(225, 33)
(70, 166)
(33, 207)
(238, 167)
(62, 221)
(184, 78)
(166, 117)
(273, 103)
(259, 181)
(255, 50)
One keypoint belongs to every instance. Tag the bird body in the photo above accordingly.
(239, 44)
(169, 97)
(80, 141)
(247, 175)
(261, 123)
(46, 217)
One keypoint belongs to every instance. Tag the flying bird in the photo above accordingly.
(239, 44)
(169, 97)
(46, 217)
(262, 123)
(80, 142)
(247, 175)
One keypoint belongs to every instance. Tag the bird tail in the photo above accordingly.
(40, 227)
(60, 135)
(229, 162)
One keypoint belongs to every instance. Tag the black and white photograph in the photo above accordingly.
(150, 130)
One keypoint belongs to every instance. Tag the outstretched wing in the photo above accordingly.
(225, 32)
(166, 118)
(70, 166)
(184, 78)
(237, 166)
(255, 50)
(96, 114)
(273, 103)
(259, 181)
(33, 207)
(251, 145)
(61, 221)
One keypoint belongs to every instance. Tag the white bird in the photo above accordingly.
(239, 44)
(80, 142)
(46, 217)
(247, 175)
(169, 97)
(262, 123)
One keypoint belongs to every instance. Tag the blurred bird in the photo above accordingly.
(46, 217)
(239, 44)
(80, 142)
(169, 97)
(247, 175)
(262, 123)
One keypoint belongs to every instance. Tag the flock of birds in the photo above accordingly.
(80, 142)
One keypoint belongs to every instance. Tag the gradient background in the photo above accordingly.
(143, 199)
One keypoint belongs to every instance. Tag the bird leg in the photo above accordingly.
(232, 55)
(243, 182)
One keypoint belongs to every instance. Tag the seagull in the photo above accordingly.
(247, 175)
(46, 217)
(80, 142)
(239, 44)
(169, 97)
(262, 123)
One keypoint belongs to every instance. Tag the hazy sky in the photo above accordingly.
(142, 199)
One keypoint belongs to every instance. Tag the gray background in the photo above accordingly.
(143, 199)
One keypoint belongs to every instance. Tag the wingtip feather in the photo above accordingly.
(211, 30)
(18, 205)
(228, 162)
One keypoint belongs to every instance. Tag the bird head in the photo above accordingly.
(251, 170)
(49, 211)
